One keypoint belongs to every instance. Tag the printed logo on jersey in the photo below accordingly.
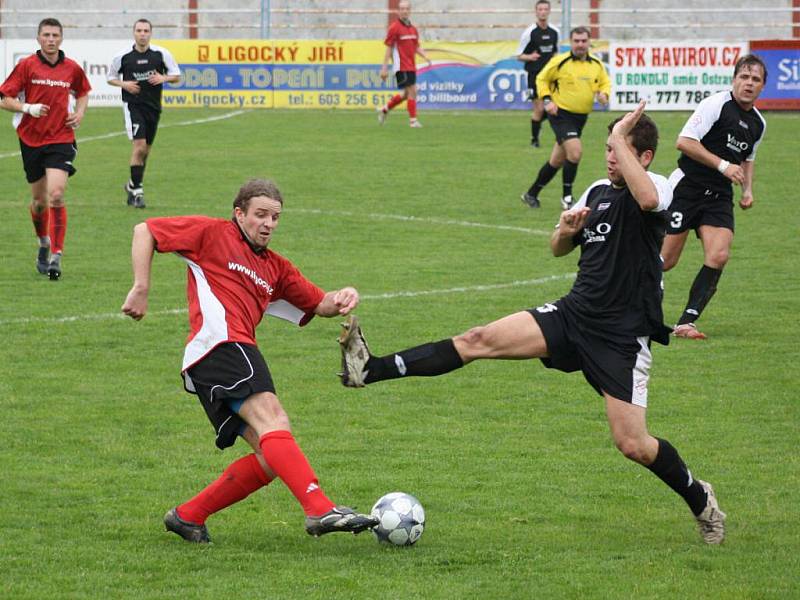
(141, 61)
(598, 234)
(603, 206)
(232, 266)
(736, 145)
(51, 83)
(743, 124)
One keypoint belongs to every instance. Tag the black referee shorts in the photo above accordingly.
(36, 159)
(226, 376)
(619, 366)
(694, 205)
(141, 122)
(567, 125)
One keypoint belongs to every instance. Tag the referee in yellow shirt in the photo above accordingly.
(568, 85)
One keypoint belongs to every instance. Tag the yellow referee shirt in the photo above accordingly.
(572, 83)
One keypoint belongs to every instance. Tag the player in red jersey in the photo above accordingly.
(41, 89)
(402, 44)
(233, 280)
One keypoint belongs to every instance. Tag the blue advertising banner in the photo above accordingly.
(782, 57)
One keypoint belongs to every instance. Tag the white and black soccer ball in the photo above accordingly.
(402, 519)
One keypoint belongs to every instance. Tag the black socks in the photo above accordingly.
(427, 360)
(670, 469)
(703, 288)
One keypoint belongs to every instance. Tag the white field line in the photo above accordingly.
(408, 218)
(105, 136)
(384, 296)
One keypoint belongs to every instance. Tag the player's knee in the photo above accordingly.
(718, 258)
(632, 448)
(56, 196)
(475, 343)
(574, 156)
(669, 261)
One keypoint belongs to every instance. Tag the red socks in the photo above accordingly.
(58, 227)
(412, 108)
(288, 462)
(236, 483)
(396, 99)
(41, 222)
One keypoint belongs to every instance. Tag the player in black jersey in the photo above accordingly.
(538, 43)
(141, 72)
(718, 146)
(602, 327)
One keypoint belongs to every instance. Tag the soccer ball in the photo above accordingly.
(402, 519)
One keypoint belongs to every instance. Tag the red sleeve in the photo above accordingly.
(180, 234)
(391, 35)
(298, 291)
(15, 82)
(80, 85)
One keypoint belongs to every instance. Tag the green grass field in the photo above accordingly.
(525, 494)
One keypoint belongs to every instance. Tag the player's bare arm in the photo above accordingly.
(387, 56)
(746, 201)
(74, 119)
(161, 79)
(421, 52)
(695, 150)
(132, 87)
(569, 223)
(142, 249)
(339, 302)
(628, 164)
(14, 105)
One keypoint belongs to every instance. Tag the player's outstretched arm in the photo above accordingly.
(142, 249)
(340, 302)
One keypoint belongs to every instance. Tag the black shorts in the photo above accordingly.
(532, 95)
(694, 205)
(405, 78)
(141, 122)
(619, 366)
(35, 159)
(567, 125)
(227, 375)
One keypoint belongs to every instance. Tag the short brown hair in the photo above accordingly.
(143, 21)
(50, 22)
(538, 2)
(253, 188)
(750, 60)
(644, 135)
(580, 29)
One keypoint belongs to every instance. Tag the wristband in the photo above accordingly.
(723, 164)
(546, 100)
(26, 108)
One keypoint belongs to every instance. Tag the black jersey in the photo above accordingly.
(725, 129)
(618, 289)
(535, 39)
(132, 65)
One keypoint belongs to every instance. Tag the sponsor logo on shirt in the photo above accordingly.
(743, 124)
(51, 83)
(736, 145)
(143, 76)
(232, 266)
(603, 205)
(598, 234)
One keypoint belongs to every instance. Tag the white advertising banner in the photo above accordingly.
(93, 55)
(670, 75)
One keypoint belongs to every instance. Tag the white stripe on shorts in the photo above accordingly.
(641, 373)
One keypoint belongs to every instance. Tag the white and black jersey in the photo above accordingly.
(535, 39)
(725, 129)
(618, 289)
(132, 65)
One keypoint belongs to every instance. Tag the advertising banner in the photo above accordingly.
(93, 56)
(671, 75)
(782, 57)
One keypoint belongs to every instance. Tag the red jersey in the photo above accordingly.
(36, 81)
(404, 40)
(230, 286)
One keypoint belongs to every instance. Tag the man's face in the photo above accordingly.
(404, 10)
(260, 220)
(612, 166)
(579, 42)
(49, 39)
(141, 34)
(542, 12)
(748, 83)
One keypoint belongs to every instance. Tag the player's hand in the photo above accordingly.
(36, 110)
(572, 221)
(156, 79)
(551, 109)
(735, 173)
(746, 201)
(534, 56)
(602, 98)
(132, 87)
(624, 126)
(384, 73)
(346, 299)
(74, 119)
(135, 305)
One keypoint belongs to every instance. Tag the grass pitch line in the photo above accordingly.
(385, 296)
(105, 136)
(409, 218)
